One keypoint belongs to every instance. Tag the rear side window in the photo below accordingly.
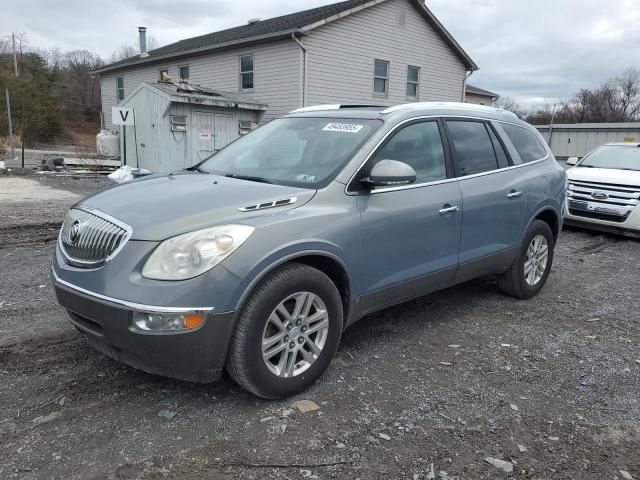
(526, 142)
(420, 146)
(472, 145)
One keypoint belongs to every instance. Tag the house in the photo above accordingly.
(374, 52)
(480, 96)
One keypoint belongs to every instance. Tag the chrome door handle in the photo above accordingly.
(513, 194)
(446, 210)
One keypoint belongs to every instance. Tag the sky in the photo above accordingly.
(527, 50)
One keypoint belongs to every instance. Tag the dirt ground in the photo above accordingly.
(551, 384)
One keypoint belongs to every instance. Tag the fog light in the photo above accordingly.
(158, 322)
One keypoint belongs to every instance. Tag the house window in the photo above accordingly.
(381, 78)
(120, 88)
(183, 73)
(413, 81)
(163, 74)
(246, 72)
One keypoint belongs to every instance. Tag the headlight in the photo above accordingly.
(192, 254)
(161, 322)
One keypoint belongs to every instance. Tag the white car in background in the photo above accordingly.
(603, 189)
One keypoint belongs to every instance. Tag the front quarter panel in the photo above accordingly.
(328, 226)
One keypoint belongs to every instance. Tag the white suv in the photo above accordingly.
(603, 189)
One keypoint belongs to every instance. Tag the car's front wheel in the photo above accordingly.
(530, 270)
(287, 332)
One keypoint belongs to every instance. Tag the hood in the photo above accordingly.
(160, 207)
(604, 175)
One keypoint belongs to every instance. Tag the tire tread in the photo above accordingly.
(512, 281)
(236, 364)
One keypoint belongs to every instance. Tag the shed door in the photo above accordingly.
(224, 133)
(202, 136)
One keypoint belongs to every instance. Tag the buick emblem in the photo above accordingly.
(74, 234)
(600, 195)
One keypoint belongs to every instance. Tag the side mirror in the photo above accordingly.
(572, 160)
(390, 173)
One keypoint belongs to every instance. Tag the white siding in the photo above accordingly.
(276, 76)
(478, 99)
(341, 56)
(339, 69)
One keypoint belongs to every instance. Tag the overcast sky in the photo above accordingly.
(526, 49)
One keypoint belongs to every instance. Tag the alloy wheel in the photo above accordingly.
(295, 334)
(536, 260)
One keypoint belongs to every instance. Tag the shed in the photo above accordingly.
(178, 125)
(479, 96)
(576, 140)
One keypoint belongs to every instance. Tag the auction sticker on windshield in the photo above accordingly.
(343, 127)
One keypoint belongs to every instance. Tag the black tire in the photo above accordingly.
(244, 360)
(513, 282)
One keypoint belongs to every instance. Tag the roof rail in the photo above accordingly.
(457, 105)
(316, 108)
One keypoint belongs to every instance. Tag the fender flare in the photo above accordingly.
(544, 208)
(281, 260)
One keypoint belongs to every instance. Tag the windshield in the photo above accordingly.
(304, 152)
(619, 157)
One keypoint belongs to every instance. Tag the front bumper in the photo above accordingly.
(599, 220)
(193, 355)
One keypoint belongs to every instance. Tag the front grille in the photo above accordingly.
(605, 193)
(602, 201)
(88, 240)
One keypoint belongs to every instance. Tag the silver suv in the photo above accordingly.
(259, 257)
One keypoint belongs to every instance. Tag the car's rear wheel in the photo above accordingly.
(530, 270)
(287, 332)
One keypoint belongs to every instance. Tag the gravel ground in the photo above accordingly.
(550, 385)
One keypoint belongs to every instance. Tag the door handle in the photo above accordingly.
(514, 194)
(446, 210)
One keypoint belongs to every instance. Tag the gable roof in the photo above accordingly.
(277, 28)
(480, 91)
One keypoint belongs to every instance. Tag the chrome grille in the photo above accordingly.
(90, 239)
(602, 200)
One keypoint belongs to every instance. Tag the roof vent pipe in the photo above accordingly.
(142, 31)
(251, 21)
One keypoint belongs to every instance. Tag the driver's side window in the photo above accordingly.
(420, 146)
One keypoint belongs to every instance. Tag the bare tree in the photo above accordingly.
(509, 104)
(81, 98)
(53, 56)
(616, 100)
(627, 95)
(128, 51)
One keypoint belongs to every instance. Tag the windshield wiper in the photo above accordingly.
(196, 168)
(251, 178)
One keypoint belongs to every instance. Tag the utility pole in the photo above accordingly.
(15, 59)
(13, 153)
(553, 116)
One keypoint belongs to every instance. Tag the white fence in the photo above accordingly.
(576, 140)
